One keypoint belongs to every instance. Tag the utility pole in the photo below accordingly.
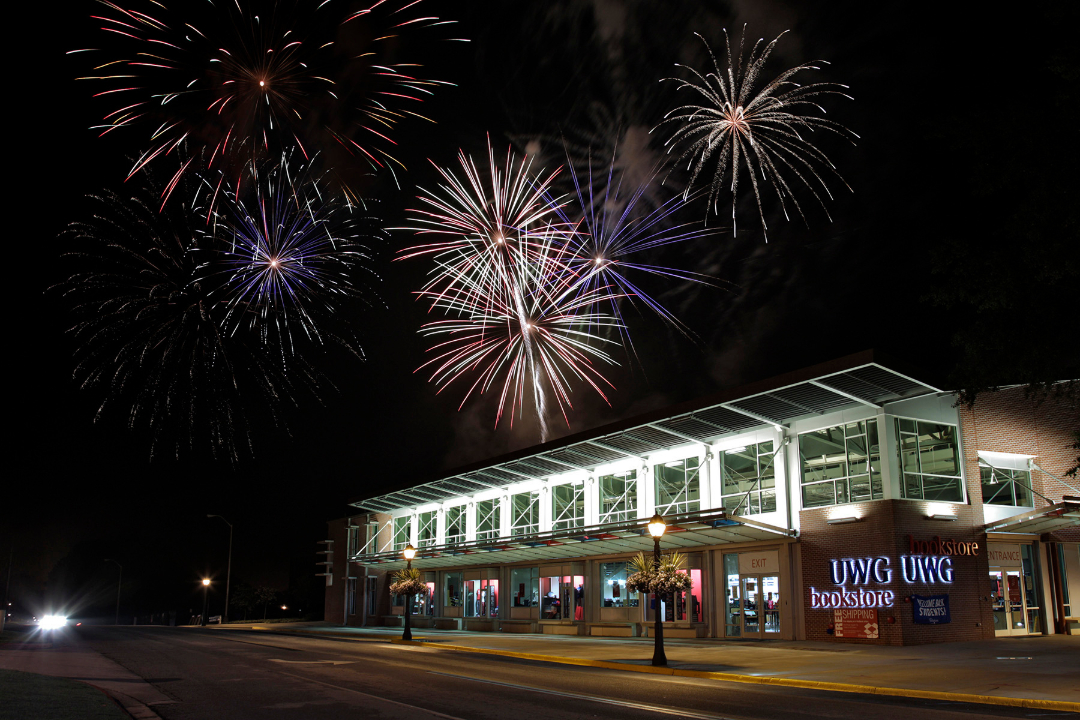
(228, 571)
(7, 589)
(119, 583)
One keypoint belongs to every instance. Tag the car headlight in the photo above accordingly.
(52, 622)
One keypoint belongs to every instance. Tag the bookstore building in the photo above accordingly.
(847, 502)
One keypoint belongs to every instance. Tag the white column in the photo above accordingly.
(592, 501)
(414, 529)
(705, 477)
(545, 507)
(470, 521)
(780, 472)
(440, 526)
(504, 515)
(891, 476)
(646, 504)
(716, 481)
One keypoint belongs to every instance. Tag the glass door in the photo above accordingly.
(770, 605)
(751, 607)
(1007, 602)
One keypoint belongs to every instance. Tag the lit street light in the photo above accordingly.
(228, 571)
(657, 526)
(119, 580)
(410, 553)
(205, 598)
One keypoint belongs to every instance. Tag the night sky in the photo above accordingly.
(961, 220)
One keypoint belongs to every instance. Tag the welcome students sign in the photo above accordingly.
(930, 609)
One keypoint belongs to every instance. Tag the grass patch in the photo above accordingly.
(28, 695)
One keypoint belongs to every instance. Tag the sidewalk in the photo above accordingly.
(58, 655)
(1034, 668)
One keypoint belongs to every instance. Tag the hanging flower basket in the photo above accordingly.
(664, 580)
(408, 582)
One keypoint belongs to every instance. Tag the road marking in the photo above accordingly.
(314, 662)
(592, 698)
(376, 697)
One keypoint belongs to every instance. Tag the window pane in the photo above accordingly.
(912, 487)
(818, 494)
(858, 458)
(618, 497)
(525, 513)
(525, 587)
(488, 518)
(860, 488)
(567, 506)
(945, 489)
(401, 532)
(425, 534)
(677, 486)
(613, 582)
(823, 454)
(1022, 487)
(768, 501)
(937, 449)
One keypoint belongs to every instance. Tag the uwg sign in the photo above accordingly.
(860, 572)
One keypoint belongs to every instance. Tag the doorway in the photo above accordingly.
(760, 606)
(1007, 601)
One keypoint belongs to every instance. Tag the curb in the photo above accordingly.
(756, 680)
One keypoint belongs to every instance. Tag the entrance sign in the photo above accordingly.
(855, 623)
(1004, 554)
(930, 609)
(759, 563)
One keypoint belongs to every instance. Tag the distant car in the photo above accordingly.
(52, 622)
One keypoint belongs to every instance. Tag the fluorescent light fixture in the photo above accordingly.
(736, 449)
(943, 516)
(843, 520)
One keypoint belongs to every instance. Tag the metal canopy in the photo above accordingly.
(685, 532)
(867, 384)
(1056, 517)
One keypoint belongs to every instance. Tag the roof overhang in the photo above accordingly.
(1059, 516)
(684, 533)
(858, 380)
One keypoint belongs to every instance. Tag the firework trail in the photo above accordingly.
(150, 334)
(503, 277)
(236, 80)
(762, 130)
(288, 253)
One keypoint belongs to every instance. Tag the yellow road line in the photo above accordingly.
(756, 680)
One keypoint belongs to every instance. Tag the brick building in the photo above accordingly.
(848, 501)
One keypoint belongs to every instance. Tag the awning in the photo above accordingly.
(1062, 515)
(684, 533)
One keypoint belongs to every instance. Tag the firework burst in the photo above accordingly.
(762, 130)
(243, 80)
(149, 334)
(612, 238)
(288, 252)
(502, 276)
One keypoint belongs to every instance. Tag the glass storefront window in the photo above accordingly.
(1001, 486)
(421, 604)
(678, 486)
(455, 525)
(929, 459)
(567, 506)
(613, 586)
(525, 513)
(481, 598)
(425, 532)
(618, 497)
(688, 607)
(401, 532)
(562, 597)
(1031, 588)
(841, 464)
(488, 518)
(525, 587)
(749, 479)
(732, 601)
(453, 590)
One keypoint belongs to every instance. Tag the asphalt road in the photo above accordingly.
(240, 675)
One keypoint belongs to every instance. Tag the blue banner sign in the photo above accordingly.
(930, 609)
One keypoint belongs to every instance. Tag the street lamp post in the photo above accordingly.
(205, 598)
(119, 581)
(410, 553)
(228, 571)
(657, 526)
